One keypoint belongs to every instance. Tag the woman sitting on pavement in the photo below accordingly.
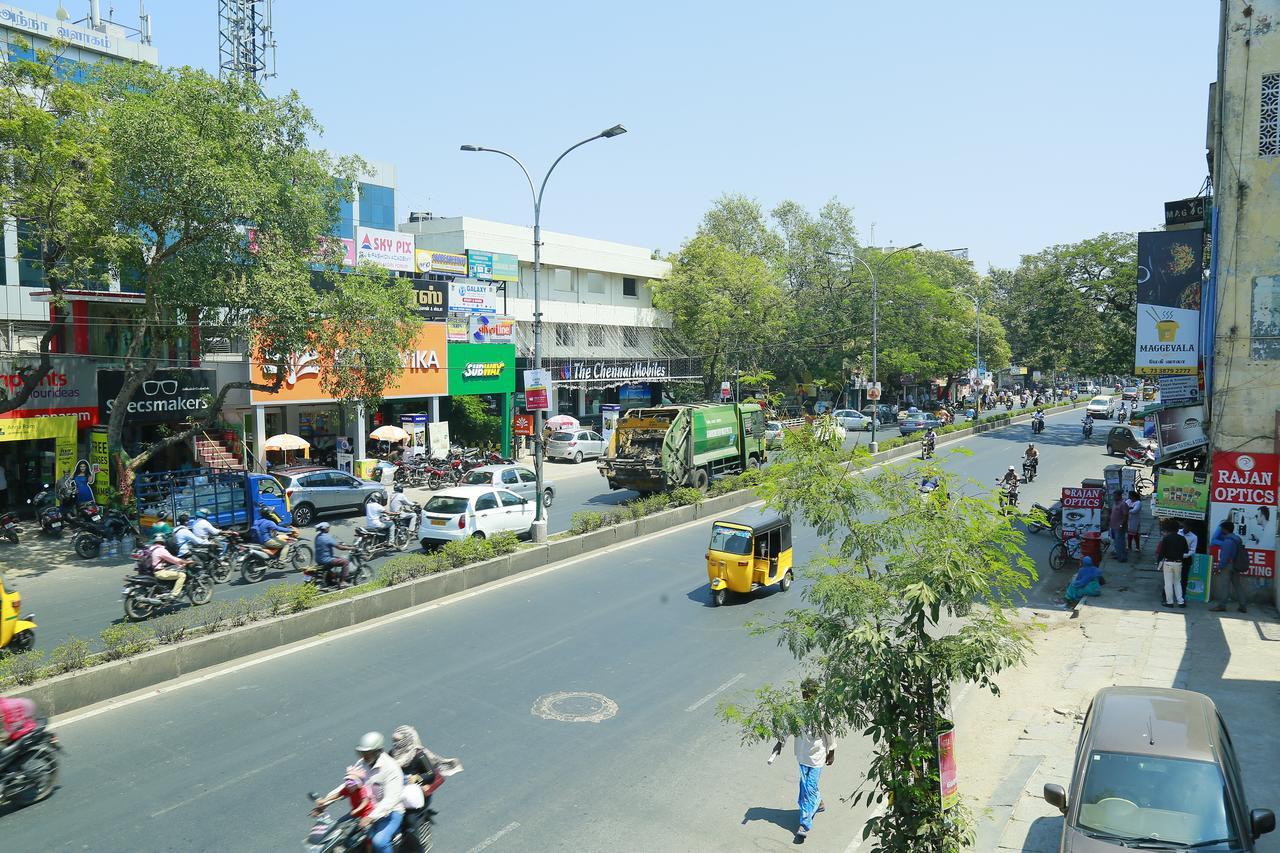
(1086, 582)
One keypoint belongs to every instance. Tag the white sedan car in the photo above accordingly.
(852, 419)
(1102, 406)
(479, 511)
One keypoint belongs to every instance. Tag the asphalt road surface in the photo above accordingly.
(581, 698)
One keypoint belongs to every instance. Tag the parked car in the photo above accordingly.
(1122, 438)
(576, 444)
(473, 511)
(852, 419)
(515, 478)
(916, 422)
(883, 411)
(592, 422)
(1156, 769)
(772, 435)
(1130, 392)
(314, 491)
(1102, 406)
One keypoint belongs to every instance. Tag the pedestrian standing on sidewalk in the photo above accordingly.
(1193, 542)
(814, 750)
(1169, 554)
(1119, 526)
(1134, 542)
(1233, 558)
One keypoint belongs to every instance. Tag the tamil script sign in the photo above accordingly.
(1243, 491)
(388, 249)
(1170, 267)
(431, 298)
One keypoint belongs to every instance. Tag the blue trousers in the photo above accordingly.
(809, 796)
(1118, 544)
(383, 830)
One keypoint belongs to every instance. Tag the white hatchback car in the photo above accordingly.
(1102, 406)
(852, 419)
(575, 445)
(479, 511)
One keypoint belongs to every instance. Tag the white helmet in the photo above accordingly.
(1011, 468)
(371, 742)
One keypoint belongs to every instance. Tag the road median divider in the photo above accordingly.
(146, 655)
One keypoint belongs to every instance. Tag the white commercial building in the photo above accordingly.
(602, 337)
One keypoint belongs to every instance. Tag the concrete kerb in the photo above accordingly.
(71, 691)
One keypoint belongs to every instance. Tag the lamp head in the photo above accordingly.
(471, 148)
(616, 130)
(915, 245)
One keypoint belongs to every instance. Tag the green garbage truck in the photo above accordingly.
(665, 447)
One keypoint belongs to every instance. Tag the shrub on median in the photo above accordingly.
(125, 640)
(69, 656)
(22, 669)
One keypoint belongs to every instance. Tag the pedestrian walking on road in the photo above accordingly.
(1169, 555)
(1233, 558)
(814, 750)
(1134, 541)
(1119, 526)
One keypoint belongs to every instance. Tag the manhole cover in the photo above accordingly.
(575, 707)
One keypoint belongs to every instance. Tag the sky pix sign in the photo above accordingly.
(388, 249)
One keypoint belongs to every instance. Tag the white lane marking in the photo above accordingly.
(525, 657)
(714, 693)
(225, 784)
(115, 704)
(492, 839)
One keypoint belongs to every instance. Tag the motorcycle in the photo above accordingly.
(1052, 519)
(1086, 428)
(407, 524)
(361, 572)
(1008, 493)
(340, 835)
(146, 594)
(1037, 425)
(48, 513)
(95, 527)
(376, 543)
(1028, 470)
(9, 526)
(17, 632)
(255, 561)
(218, 562)
(1144, 456)
(29, 768)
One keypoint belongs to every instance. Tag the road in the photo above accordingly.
(71, 597)
(223, 760)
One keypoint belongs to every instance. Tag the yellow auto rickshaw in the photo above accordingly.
(748, 552)
(17, 633)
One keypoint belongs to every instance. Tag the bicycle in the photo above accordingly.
(1070, 549)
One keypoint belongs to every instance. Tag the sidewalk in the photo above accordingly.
(1009, 746)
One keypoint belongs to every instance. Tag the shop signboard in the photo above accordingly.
(168, 396)
(1180, 429)
(488, 329)
(416, 426)
(1184, 211)
(100, 460)
(1243, 491)
(60, 428)
(1182, 388)
(522, 425)
(457, 328)
(67, 389)
(445, 263)
(1181, 494)
(390, 250)
(470, 296)
(1170, 268)
(431, 298)
(482, 369)
(492, 266)
(1081, 510)
(639, 370)
(423, 373)
(1200, 579)
(537, 390)
(948, 777)
(609, 415)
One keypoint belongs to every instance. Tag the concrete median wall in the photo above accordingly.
(65, 693)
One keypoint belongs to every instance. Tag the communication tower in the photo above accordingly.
(246, 44)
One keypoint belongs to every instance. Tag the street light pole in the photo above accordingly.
(539, 529)
(977, 356)
(874, 446)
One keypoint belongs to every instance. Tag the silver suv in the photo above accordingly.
(313, 491)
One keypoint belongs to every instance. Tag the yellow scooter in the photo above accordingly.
(17, 634)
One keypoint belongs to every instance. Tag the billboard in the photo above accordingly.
(168, 395)
(482, 369)
(1184, 388)
(492, 266)
(1180, 429)
(1170, 269)
(1181, 494)
(488, 329)
(434, 260)
(390, 250)
(67, 389)
(1243, 490)
(477, 297)
(431, 299)
(1081, 511)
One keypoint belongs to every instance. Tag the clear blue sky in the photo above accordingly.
(997, 125)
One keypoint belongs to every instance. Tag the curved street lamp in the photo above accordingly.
(539, 530)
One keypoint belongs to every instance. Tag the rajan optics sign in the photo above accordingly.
(1242, 490)
(166, 397)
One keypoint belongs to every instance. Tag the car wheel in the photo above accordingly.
(547, 497)
(479, 534)
(304, 514)
(577, 457)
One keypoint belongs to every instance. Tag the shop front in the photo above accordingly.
(582, 386)
(488, 372)
(163, 404)
(33, 452)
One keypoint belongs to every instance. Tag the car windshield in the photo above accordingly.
(477, 478)
(1141, 796)
(1100, 401)
(773, 425)
(729, 540)
(446, 505)
(562, 436)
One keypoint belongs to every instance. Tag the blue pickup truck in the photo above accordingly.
(234, 499)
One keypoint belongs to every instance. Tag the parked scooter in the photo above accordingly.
(95, 527)
(9, 526)
(29, 768)
(1052, 519)
(48, 513)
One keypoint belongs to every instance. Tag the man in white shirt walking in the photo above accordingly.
(814, 750)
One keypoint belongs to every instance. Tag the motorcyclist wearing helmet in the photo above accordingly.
(266, 529)
(337, 570)
(158, 556)
(376, 518)
(398, 500)
(204, 528)
(930, 440)
(186, 537)
(384, 776)
(1010, 480)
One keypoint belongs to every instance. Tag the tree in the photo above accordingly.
(725, 306)
(1072, 306)
(54, 182)
(911, 597)
(220, 208)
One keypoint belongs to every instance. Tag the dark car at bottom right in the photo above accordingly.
(1156, 770)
